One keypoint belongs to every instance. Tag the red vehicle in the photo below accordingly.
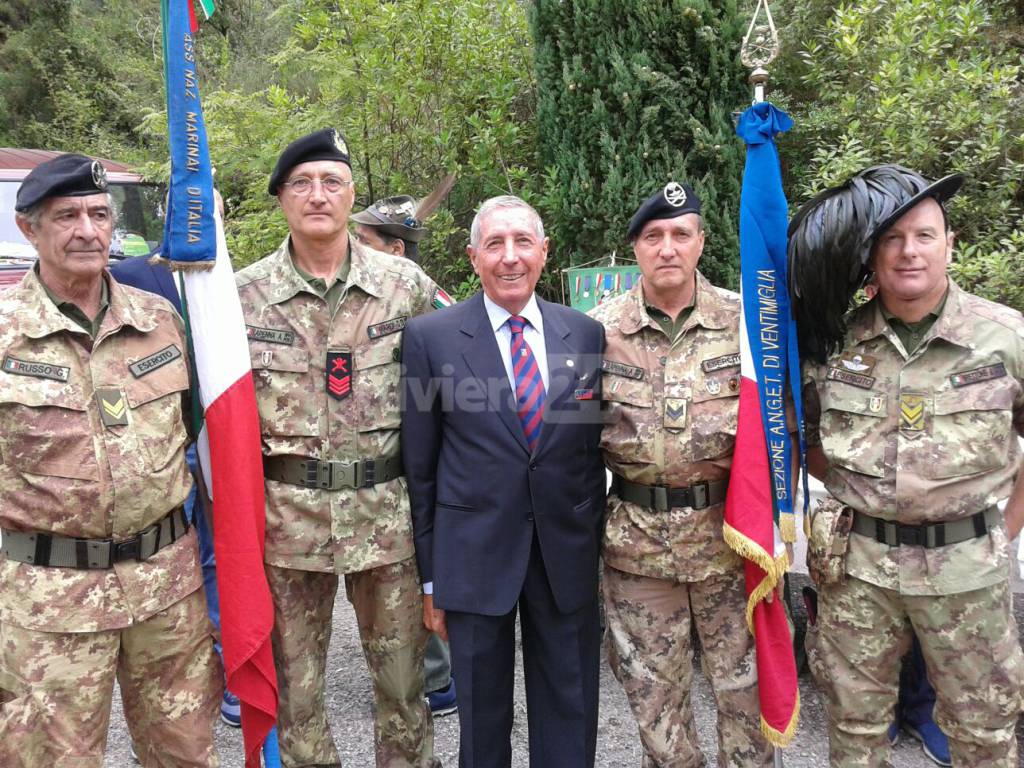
(140, 212)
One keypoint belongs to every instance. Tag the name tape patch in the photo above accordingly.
(621, 369)
(976, 375)
(156, 360)
(718, 363)
(394, 325)
(37, 369)
(272, 335)
(849, 377)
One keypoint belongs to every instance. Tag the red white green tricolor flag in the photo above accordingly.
(229, 445)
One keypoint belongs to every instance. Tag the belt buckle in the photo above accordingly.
(369, 478)
(700, 494)
(910, 535)
(126, 550)
(659, 498)
(335, 475)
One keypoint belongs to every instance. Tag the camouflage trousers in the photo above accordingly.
(649, 624)
(974, 661)
(57, 690)
(389, 611)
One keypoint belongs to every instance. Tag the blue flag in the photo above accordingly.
(189, 230)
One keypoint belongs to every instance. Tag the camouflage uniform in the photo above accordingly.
(64, 632)
(921, 438)
(671, 420)
(312, 534)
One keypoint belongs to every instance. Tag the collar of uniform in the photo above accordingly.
(285, 281)
(498, 316)
(868, 322)
(38, 316)
(366, 269)
(709, 310)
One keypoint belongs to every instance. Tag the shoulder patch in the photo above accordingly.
(849, 377)
(621, 369)
(394, 325)
(271, 335)
(719, 363)
(441, 299)
(977, 375)
(39, 370)
(154, 361)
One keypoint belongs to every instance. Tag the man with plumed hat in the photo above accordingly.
(99, 568)
(670, 387)
(914, 406)
(324, 318)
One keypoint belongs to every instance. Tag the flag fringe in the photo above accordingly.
(783, 738)
(181, 266)
(774, 567)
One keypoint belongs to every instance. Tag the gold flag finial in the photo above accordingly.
(760, 47)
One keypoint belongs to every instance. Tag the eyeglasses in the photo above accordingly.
(332, 185)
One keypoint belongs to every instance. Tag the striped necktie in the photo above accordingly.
(529, 385)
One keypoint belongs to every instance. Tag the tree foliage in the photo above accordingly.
(419, 89)
(935, 86)
(632, 95)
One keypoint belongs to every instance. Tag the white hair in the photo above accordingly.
(502, 201)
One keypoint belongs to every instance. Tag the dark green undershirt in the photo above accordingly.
(329, 291)
(911, 334)
(670, 327)
(73, 312)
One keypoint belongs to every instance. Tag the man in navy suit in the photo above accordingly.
(500, 436)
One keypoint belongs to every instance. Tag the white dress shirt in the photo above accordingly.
(532, 335)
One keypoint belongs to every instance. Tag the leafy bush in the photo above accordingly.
(935, 85)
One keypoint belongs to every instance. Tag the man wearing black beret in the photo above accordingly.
(325, 316)
(671, 390)
(99, 570)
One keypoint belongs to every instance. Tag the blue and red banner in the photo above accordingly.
(759, 505)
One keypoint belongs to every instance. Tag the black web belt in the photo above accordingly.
(54, 551)
(331, 475)
(927, 535)
(662, 498)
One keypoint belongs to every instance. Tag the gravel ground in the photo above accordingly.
(350, 705)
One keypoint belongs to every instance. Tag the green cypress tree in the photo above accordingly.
(632, 94)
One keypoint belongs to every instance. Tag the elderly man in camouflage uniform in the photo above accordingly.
(99, 572)
(914, 423)
(671, 387)
(325, 316)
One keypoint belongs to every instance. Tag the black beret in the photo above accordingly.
(673, 200)
(325, 144)
(63, 176)
(394, 216)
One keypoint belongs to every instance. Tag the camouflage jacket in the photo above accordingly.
(671, 410)
(62, 471)
(926, 437)
(291, 332)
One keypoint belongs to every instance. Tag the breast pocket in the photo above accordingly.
(714, 415)
(971, 432)
(285, 392)
(853, 430)
(157, 419)
(376, 384)
(629, 428)
(45, 429)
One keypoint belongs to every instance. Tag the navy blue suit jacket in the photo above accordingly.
(476, 491)
(139, 273)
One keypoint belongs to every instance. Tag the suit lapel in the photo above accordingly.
(562, 374)
(484, 359)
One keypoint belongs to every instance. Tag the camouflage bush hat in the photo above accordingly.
(325, 144)
(64, 176)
